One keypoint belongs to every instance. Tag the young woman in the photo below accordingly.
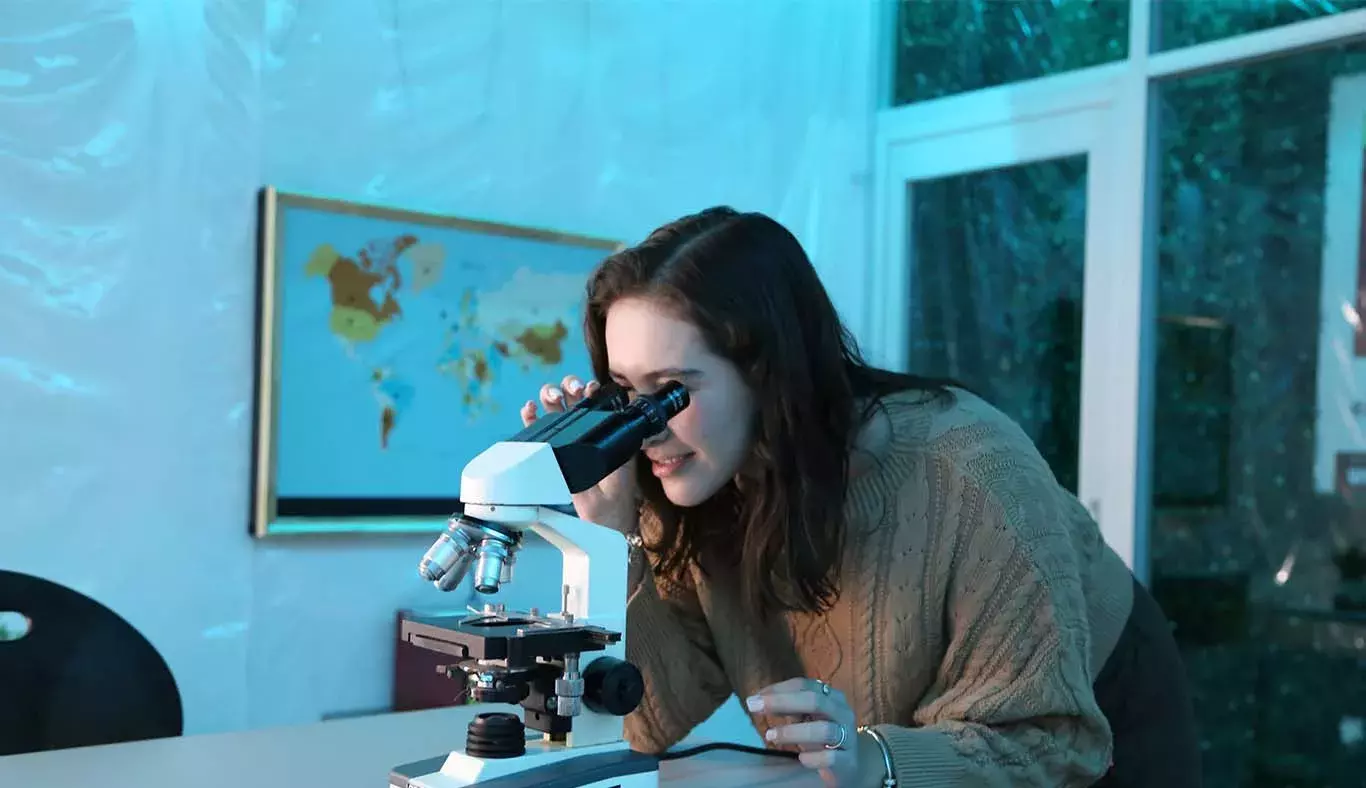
(882, 565)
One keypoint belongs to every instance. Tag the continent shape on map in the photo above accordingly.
(525, 322)
(429, 260)
(356, 314)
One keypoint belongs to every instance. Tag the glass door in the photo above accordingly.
(1256, 528)
(991, 271)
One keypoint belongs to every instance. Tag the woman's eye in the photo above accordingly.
(632, 393)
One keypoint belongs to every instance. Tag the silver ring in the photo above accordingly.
(839, 745)
(825, 688)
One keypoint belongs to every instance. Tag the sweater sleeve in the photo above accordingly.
(1012, 702)
(669, 640)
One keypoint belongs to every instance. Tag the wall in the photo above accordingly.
(132, 139)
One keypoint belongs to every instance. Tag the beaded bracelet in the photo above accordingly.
(890, 780)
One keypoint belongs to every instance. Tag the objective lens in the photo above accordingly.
(456, 574)
(449, 558)
(488, 574)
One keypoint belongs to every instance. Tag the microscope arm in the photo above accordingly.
(589, 550)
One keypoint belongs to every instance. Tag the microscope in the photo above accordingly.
(567, 669)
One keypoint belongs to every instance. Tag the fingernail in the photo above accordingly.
(754, 703)
(771, 735)
(554, 395)
(575, 387)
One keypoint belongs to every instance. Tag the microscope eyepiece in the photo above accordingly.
(593, 454)
(661, 406)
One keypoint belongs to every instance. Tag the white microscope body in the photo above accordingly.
(568, 670)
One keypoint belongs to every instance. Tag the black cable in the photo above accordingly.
(688, 752)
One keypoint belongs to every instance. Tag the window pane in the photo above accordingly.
(996, 294)
(950, 46)
(1181, 23)
(1255, 541)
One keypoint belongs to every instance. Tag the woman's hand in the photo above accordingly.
(826, 735)
(614, 501)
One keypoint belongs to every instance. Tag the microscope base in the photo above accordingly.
(544, 765)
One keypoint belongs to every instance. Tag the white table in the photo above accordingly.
(350, 753)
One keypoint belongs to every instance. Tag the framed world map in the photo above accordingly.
(392, 347)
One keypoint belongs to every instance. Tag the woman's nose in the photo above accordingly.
(657, 438)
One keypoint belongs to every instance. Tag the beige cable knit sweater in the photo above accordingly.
(978, 603)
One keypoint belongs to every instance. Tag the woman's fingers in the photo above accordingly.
(787, 699)
(816, 733)
(552, 399)
(573, 389)
(566, 395)
(528, 413)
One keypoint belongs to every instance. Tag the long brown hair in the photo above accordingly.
(744, 281)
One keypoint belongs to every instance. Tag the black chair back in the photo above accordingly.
(80, 675)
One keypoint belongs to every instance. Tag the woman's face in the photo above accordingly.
(705, 445)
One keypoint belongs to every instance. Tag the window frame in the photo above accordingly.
(1116, 466)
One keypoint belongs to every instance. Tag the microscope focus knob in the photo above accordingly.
(612, 686)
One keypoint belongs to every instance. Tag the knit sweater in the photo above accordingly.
(978, 602)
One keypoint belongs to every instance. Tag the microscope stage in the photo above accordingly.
(518, 640)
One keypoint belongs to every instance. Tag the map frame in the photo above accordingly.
(272, 515)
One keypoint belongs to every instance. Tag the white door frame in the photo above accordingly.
(1119, 357)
